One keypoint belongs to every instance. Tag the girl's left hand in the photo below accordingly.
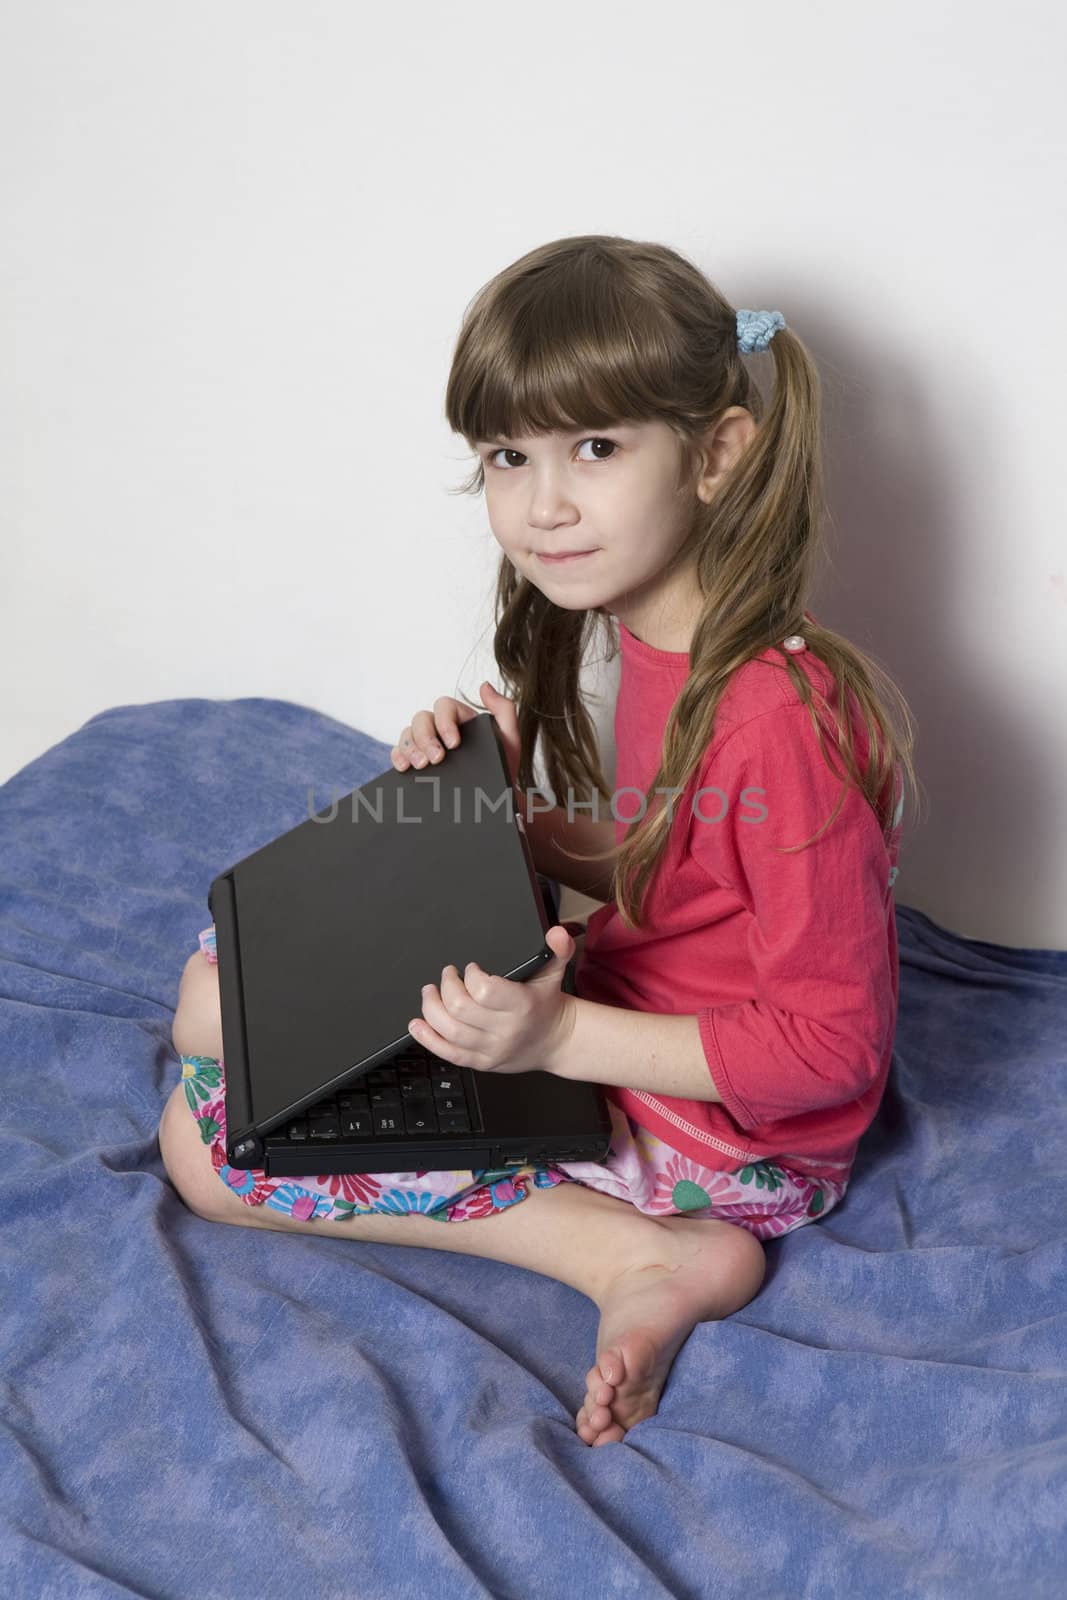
(494, 1024)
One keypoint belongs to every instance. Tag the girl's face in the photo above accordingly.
(611, 496)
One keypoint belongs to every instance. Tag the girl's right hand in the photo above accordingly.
(429, 731)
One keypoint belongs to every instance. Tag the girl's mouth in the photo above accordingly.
(576, 555)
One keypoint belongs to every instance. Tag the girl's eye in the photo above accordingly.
(504, 451)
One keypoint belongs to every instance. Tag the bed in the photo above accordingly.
(191, 1409)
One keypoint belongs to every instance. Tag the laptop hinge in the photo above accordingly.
(243, 1148)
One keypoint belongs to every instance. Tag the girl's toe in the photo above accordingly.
(597, 1390)
(610, 1435)
(609, 1367)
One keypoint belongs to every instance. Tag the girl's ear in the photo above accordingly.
(723, 443)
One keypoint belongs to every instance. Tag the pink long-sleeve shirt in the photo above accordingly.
(788, 961)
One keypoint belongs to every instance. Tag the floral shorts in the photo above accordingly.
(766, 1197)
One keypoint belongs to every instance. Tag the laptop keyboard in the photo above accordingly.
(414, 1093)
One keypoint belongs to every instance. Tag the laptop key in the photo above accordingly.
(297, 1130)
(387, 1122)
(325, 1126)
(453, 1122)
(353, 1102)
(419, 1119)
(356, 1125)
(423, 1103)
(415, 1088)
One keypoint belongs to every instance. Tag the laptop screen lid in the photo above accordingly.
(327, 934)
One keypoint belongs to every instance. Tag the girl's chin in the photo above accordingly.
(560, 592)
(568, 602)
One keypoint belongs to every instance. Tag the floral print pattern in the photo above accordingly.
(767, 1198)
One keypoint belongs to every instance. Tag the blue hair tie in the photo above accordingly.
(756, 329)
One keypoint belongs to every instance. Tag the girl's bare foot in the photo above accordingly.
(709, 1270)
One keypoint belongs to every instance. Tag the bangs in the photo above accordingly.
(537, 361)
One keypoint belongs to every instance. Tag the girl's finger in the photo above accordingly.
(486, 989)
(503, 709)
(449, 714)
(438, 1015)
(424, 738)
(458, 999)
(505, 714)
(422, 1033)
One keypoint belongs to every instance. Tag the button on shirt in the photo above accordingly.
(789, 961)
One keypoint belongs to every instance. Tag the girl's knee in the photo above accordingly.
(187, 1161)
(753, 1266)
(747, 1262)
(197, 1026)
(190, 972)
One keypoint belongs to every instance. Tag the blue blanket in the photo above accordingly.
(194, 1409)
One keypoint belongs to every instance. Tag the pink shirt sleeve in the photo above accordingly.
(814, 1030)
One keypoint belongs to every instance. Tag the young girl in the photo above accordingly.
(737, 992)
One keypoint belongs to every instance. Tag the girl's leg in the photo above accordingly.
(652, 1278)
(568, 1232)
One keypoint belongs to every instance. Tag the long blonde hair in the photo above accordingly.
(595, 330)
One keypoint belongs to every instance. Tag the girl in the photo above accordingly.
(737, 992)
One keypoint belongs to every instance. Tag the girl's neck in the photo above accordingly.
(667, 631)
(666, 618)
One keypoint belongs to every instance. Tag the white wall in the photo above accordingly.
(238, 240)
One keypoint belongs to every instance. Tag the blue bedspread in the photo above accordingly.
(196, 1410)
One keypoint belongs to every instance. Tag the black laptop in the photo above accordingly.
(324, 938)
